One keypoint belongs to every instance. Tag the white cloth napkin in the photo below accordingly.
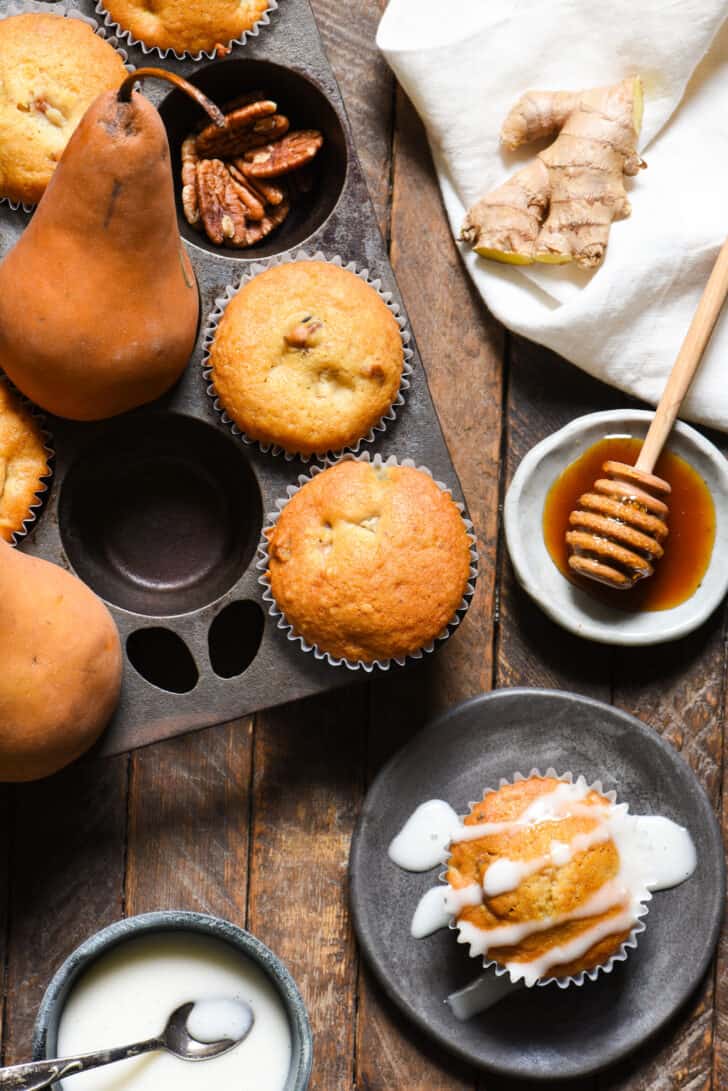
(466, 63)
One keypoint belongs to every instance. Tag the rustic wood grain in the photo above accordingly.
(308, 786)
(462, 353)
(67, 881)
(6, 795)
(679, 689)
(348, 29)
(720, 1013)
(544, 393)
(189, 804)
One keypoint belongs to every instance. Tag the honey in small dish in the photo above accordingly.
(691, 521)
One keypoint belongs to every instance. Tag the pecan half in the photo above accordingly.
(214, 141)
(221, 209)
(283, 156)
(257, 231)
(254, 207)
(304, 334)
(189, 181)
(269, 192)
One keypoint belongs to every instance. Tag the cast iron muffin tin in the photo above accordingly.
(160, 510)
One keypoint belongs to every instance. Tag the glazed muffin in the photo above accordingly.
(23, 462)
(369, 562)
(552, 900)
(52, 69)
(307, 356)
(184, 25)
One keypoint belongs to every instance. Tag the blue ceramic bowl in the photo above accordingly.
(45, 1036)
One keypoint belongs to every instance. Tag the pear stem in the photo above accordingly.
(127, 86)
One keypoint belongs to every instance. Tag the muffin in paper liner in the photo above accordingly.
(202, 55)
(351, 267)
(41, 493)
(644, 896)
(282, 622)
(23, 7)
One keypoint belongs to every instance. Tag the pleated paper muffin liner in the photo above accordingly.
(282, 622)
(22, 7)
(202, 55)
(284, 259)
(41, 493)
(644, 897)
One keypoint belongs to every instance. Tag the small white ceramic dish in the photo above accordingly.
(538, 575)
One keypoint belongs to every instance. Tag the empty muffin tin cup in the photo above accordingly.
(16, 7)
(160, 513)
(282, 622)
(220, 49)
(180, 923)
(493, 987)
(284, 259)
(44, 482)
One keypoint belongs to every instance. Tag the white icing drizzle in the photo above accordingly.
(440, 904)
(505, 874)
(422, 842)
(426, 836)
(610, 894)
(654, 854)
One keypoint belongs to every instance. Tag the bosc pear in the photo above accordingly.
(98, 300)
(61, 666)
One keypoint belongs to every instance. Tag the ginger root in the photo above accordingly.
(559, 207)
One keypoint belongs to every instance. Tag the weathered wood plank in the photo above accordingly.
(348, 29)
(308, 784)
(544, 393)
(679, 689)
(720, 1012)
(462, 352)
(67, 880)
(6, 794)
(189, 803)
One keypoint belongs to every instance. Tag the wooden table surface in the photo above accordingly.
(252, 820)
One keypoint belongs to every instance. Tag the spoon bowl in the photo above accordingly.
(177, 1039)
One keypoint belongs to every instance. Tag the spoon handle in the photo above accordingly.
(35, 1075)
(686, 364)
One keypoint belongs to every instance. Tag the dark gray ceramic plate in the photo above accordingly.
(544, 1032)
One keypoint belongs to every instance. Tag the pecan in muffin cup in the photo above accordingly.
(221, 49)
(285, 625)
(282, 259)
(510, 977)
(44, 480)
(23, 7)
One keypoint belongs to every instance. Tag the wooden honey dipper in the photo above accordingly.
(618, 529)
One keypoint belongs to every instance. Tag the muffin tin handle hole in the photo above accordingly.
(163, 659)
(234, 638)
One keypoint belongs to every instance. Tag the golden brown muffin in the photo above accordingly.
(369, 562)
(186, 26)
(307, 356)
(23, 462)
(554, 890)
(51, 70)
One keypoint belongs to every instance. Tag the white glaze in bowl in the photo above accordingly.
(565, 603)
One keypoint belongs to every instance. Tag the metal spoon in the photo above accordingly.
(175, 1039)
